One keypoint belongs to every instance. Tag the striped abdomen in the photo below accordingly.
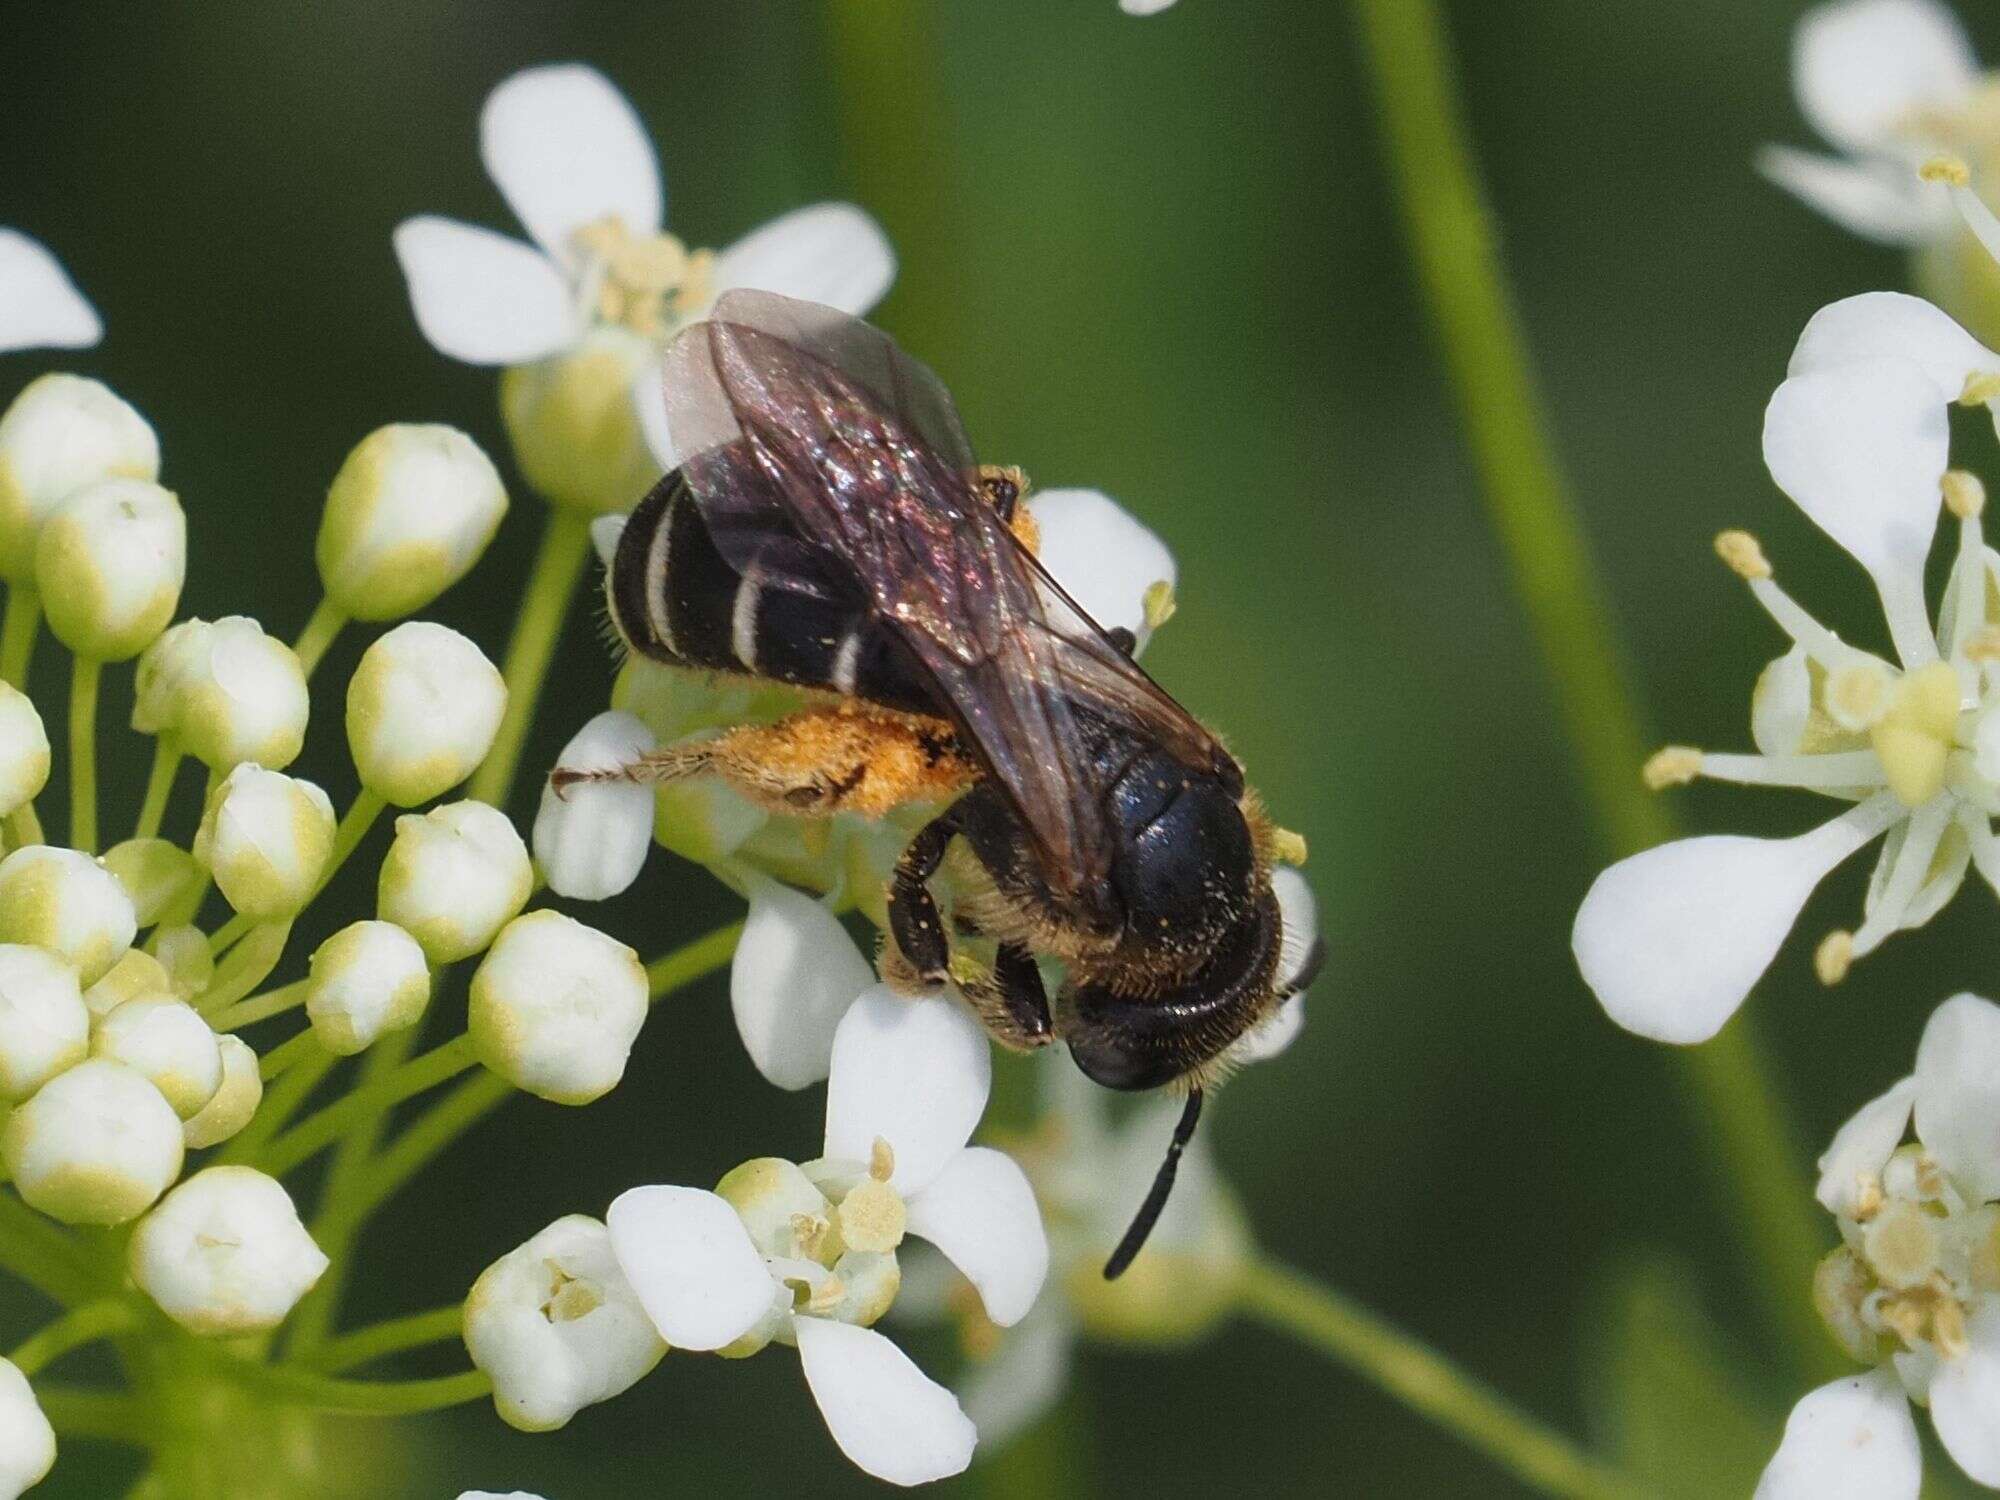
(675, 598)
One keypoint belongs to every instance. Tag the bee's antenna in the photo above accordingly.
(1156, 1198)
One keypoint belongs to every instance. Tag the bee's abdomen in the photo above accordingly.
(675, 598)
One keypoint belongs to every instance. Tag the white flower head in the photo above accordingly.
(557, 1327)
(422, 709)
(110, 562)
(60, 435)
(1117, 570)
(411, 510)
(227, 691)
(44, 1025)
(40, 307)
(24, 750)
(67, 903)
(807, 1255)
(591, 837)
(266, 838)
(235, 1102)
(453, 877)
(795, 973)
(225, 1253)
(1299, 914)
(27, 1441)
(166, 1042)
(555, 1007)
(97, 1144)
(367, 979)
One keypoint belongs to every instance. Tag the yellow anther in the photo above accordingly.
(1913, 736)
(1858, 694)
(1948, 1325)
(1900, 1245)
(1832, 959)
(1867, 1197)
(1982, 645)
(1904, 1318)
(1964, 495)
(872, 1217)
(881, 1160)
(1676, 765)
(1743, 553)
(1981, 388)
(1158, 603)
(1930, 1177)
(1288, 847)
(1950, 170)
(809, 1233)
(828, 1296)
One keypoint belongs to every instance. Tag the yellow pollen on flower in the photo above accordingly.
(1288, 847)
(809, 1233)
(1982, 645)
(1158, 603)
(1676, 765)
(650, 282)
(1982, 387)
(881, 1160)
(1948, 1324)
(1964, 495)
(1900, 1245)
(829, 1296)
(1947, 169)
(1867, 1194)
(1743, 553)
(872, 1217)
(1913, 735)
(1831, 961)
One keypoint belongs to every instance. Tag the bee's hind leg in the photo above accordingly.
(1013, 1004)
(915, 927)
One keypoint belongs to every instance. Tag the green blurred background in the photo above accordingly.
(1157, 257)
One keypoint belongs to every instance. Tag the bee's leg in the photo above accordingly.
(1123, 639)
(1013, 1005)
(914, 925)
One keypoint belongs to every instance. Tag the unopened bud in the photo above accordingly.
(136, 976)
(453, 877)
(367, 979)
(167, 1043)
(573, 424)
(266, 838)
(27, 1441)
(183, 951)
(225, 1253)
(110, 562)
(230, 692)
(422, 710)
(24, 750)
(96, 1145)
(44, 1027)
(153, 872)
(65, 902)
(235, 1102)
(62, 433)
(556, 1006)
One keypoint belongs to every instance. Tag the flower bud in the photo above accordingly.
(27, 1441)
(556, 1006)
(65, 902)
(153, 872)
(225, 1253)
(573, 424)
(136, 976)
(44, 1027)
(409, 513)
(591, 838)
(183, 952)
(234, 1103)
(229, 691)
(453, 877)
(62, 432)
(266, 838)
(95, 1145)
(557, 1327)
(167, 1043)
(367, 979)
(24, 750)
(110, 562)
(422, 710)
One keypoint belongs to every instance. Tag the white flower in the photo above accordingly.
(453, 877)
(1299, 914)
(266, 838)
(1144, 7)
(557, 1327)
(62, 433)
(1672, 939)
(44, 1026)
(795, 973)
(24, 750)
(109, 563)
(95, 1145)
(235, 1102)
(807, 1255)
(591, 838)
(27, 1441)
(166, 1042)
(40, 307)
(367, 979)
(229, 692)
(225, 1253)
(1118, 570)
(411, 510)
(422, 709)
(65, 902)
(555, 1007)
(1915, 1287)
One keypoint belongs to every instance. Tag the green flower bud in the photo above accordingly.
(555, 1007)
(153, 872)
(572, 422)
(66, 903)
(422, 710)
(24, 750)
(166, 1042)
(367, 979)
(136, 976)
(229, 691)
(183, 952)
(110, 562)
(63, 432)
(266, 838)
(453, 878)
(234, 1103)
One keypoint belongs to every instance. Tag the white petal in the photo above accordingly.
(1144, 7)
(1965, 1398)
(40, 307)
(1273, 1035)
(1671, 940)
(1299, 915)
(1878, 199)
(567, 150)
(1892, 325)
(483, 297)
(649, 399)
(981, 1212)
(690, 1259)
(1860, 448)
(1863, 67)
(1103, 557)
(914, 1072)
(591, 838)
(890, 1418)
(1007, 1393)
(1851, 1440)
(795, 973)
(831, 253)
(1958, 1093)
(1861, 1147)
(604, 534)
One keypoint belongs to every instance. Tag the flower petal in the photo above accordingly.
(688, 1256)
(1892, 325)
(1965, 1398)
(40, 307)
(1862, 68)
(483, 297)
(1862, 1147)
(890, 1418)
(1101, 556)
(566, 150)
(1851, 1440)
(795, 973)
(914, 1072)
(981, 1212)
(1671, 940)
(1008, 1392)
(604, 534)
(1877, 199)
(591, 838)
(1958, 1093)
(1860, 449)
(830, 252)
(649, 399)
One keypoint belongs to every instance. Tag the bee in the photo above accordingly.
(829, 528)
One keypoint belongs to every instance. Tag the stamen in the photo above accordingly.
(1743, 553)
(1957, 177)
(1906, 878)
(1826, 648)
(1983, 645)
(1676, 765)
(1949, 170)
(1288, 847)
(1857, 695)
(881, 1160)
(1847, 768)
(1867, 1197)
(1831, 961)
(1981, 388)
(1964, 495)
(1948, 1326)
(1158, 603)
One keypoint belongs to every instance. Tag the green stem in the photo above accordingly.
(227, 934)
(23, 827)
(299, 1065)
(352, 829)
(23, 617)
(380, 1090)
(186, 906)
(366, 1345)
(1454, 243)
(287, 1057)
(167, 757)
(109, 1415)
(85, 676)
(357, 1398)
(74, 1329)
(46, 1257)
(321, 627)
(261, 1007)
(1427, 1383)
(245, 966)
(693, 960)
(544, 607)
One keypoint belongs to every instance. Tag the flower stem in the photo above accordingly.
(245, 966)
(365, 1345)
(167, 756)
(75, 1328)
(376, 1094)
(1428, 1383)
(83, 683)
(109, 1415)
(287, 1057)
(23, 827)
(43, 1255)
(358, 1398)
(544, 607)
(351, 830)
(23, 617)
(299, 1064)
(321, 627)
(1453, 241)
(261, 1007)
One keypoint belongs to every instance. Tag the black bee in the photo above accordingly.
(828, 527)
